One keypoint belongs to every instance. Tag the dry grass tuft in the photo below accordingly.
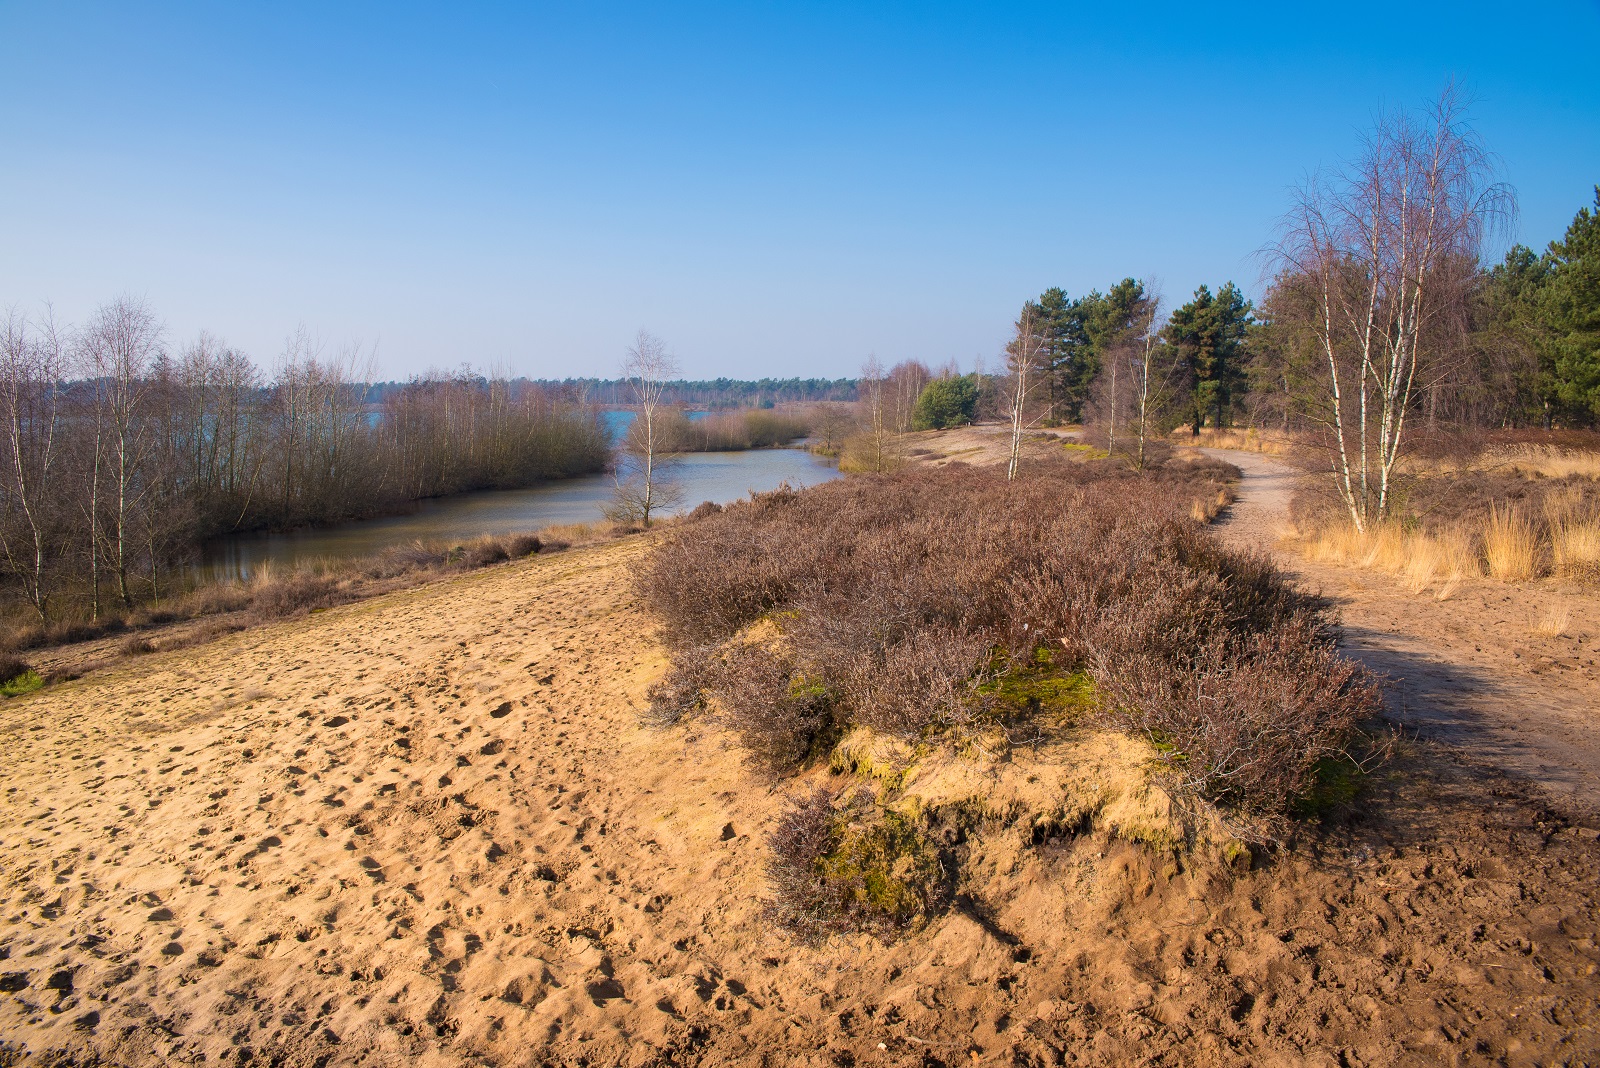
(1548, 461)
(1510, 544)
(1574, 525)
(1244, 440)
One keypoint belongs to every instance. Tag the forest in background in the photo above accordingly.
(709, 393)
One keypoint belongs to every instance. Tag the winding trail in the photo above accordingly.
(1473, 670)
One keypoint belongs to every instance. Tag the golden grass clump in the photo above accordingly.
(1510, 544)
(1550, 461)
(1421, 560)
(1246, 440)
(1205, 509)
(1574, 535)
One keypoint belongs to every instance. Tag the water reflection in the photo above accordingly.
(706, 476)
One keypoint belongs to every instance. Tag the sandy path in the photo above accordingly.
(1471, 670)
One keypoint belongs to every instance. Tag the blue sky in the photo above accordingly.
(775, 189)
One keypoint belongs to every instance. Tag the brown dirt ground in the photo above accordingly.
(427, 829)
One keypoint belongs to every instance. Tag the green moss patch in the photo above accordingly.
(882, 870)
(1038, 687)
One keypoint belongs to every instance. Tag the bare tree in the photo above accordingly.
(1382, 250)
(906, 382)
(1155, 374)
(1025, 366)
(647, 486)
(120, 344)
(32, 376)
(873, 391)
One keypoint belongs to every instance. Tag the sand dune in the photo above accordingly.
(428, 830)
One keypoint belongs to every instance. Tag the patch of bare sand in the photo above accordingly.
(427, 830)
(1473, 670)
(981, 445)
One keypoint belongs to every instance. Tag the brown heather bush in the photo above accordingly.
(135, 645)
(894, 601)
(11, 667)
(850, 866)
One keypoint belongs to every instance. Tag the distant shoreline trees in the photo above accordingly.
(119, 456)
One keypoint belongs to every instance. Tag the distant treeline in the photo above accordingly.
(710, 393)
(119, 456)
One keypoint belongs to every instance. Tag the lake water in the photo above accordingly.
(705, 476)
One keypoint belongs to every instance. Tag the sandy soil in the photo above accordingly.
(427, 829)
(1472, 670)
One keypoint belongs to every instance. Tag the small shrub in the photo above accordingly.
(302, 591)
(23, 682)
(483, 552)
(1246, 722)
(11, 667)
(135, 645)
(704, 509)
(520, 545)
(783, 717)
(682, 691)
(852, 867)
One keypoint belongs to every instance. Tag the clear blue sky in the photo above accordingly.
(774, 188)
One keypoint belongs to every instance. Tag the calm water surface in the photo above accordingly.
(705, 476)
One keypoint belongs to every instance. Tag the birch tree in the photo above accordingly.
(647, 488)
(32, 378)
(1025, 365)
(120, 344)
(873, 390)
(1382, 249)
(1154, 373)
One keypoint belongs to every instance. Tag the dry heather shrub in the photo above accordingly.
(12, 667)
(855, 866)
(482, 552)
(900, 597)
(519, 545)
(1248, 722)
(783, 718)
(1510, 545)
